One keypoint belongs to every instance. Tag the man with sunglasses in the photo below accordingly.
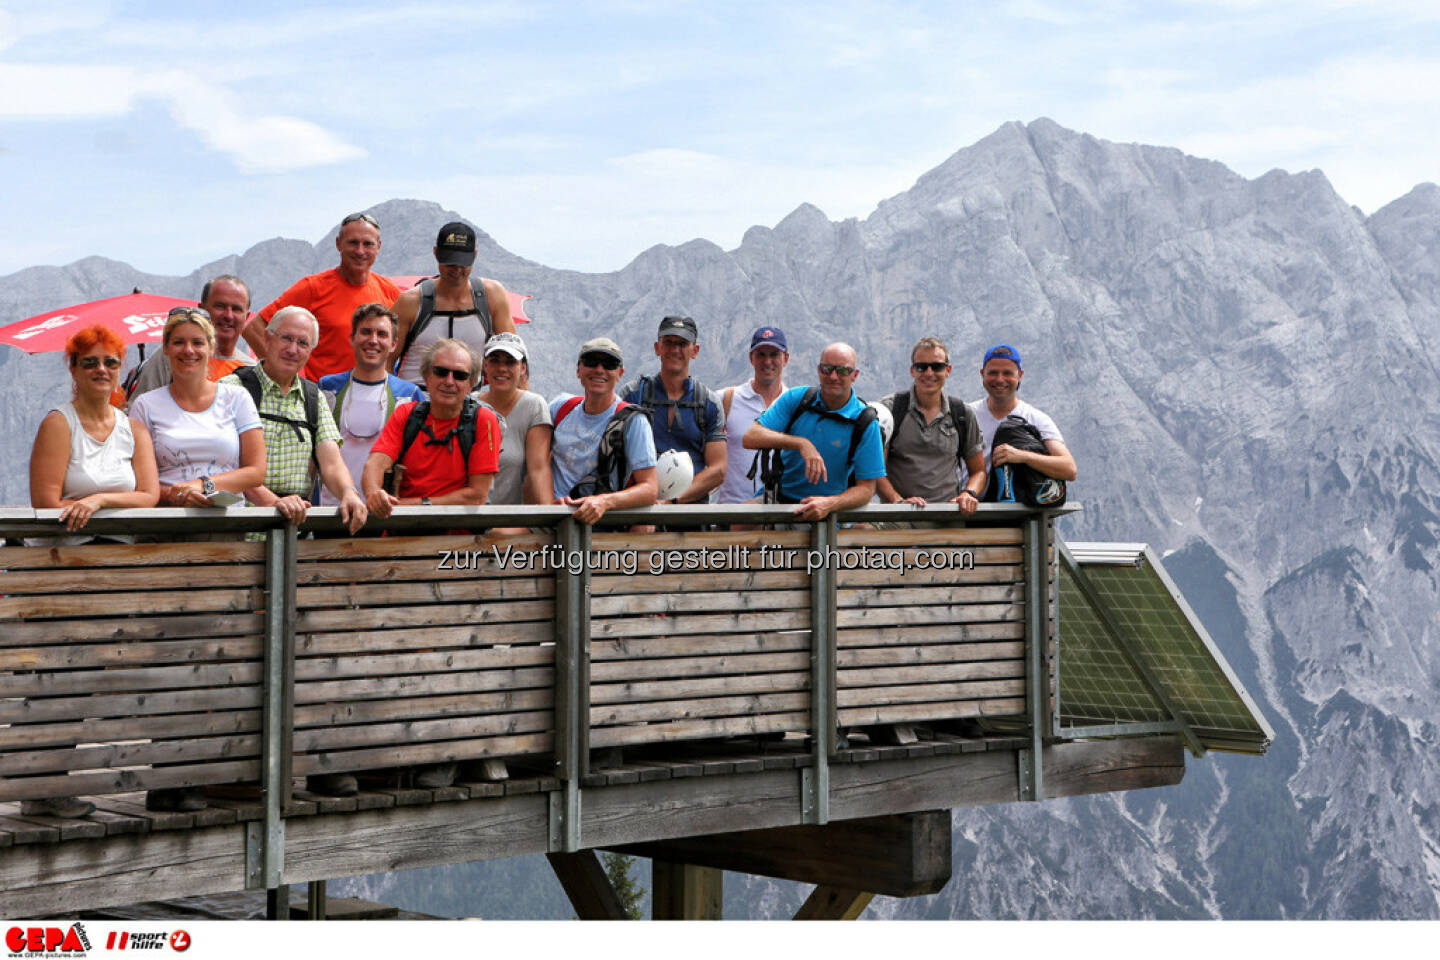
(333, 296)
(299, 430)
(363, 397)
(227, 301)
(935, 436)
(816, 439)
(580, 463)
(439, 469)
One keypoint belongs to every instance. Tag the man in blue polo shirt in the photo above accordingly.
(819, 473)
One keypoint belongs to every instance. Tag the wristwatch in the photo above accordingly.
(425, 501)
(207, 487)
(972, 493)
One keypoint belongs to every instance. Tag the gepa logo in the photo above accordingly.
(47, 941)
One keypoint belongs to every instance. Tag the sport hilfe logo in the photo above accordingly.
(47, 941)
(179, 941)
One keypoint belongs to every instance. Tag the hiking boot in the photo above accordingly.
(332, 784)
(433, 775)
(176, 799)
(67, 807)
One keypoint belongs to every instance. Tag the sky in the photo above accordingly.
(580, 134)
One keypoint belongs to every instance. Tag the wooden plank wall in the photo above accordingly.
(699, 653)
(129, 667)
(915, 642)
(413, 650)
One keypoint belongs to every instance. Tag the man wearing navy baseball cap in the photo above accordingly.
(743, 403)
(1000, 373)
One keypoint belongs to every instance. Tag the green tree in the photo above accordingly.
(617, 868)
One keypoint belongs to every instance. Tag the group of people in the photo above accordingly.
(360, 396)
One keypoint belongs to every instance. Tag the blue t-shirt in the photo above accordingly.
(577, 443)
(684, 433)
(831, 437)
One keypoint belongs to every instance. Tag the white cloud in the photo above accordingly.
(256, 142)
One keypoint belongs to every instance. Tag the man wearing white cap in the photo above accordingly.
(604, 453)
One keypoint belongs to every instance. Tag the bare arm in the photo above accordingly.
(501, 320)
(708, 479)
(372, 481)
(1056, 463)
(49, 458)
(818, 508)
(643, 489)
(473, 494)
(405, 309)
(254, 334)
(539, 485)
(763, 438)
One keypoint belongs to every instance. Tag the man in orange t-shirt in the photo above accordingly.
(333, 297)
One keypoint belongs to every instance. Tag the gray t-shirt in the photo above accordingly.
(530, 410)
(921, 460)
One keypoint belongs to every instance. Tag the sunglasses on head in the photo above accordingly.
(90, 363)
(362, 217)
(188, 312)
(599, 360)
(442, 373)
(934, 366)
(828, 368)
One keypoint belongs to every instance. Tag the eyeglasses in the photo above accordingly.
(188, 312)
(297, 342)
(935, 366)
(599, 360)
(90, 363)
(442, 373)
(828, 368)
(363, 217)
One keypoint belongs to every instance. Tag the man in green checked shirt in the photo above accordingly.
(290, 445)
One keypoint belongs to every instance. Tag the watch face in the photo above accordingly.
(207, 485)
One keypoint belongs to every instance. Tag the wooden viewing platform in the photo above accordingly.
(676, 695)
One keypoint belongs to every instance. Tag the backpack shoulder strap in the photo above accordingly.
(311, 391)
(413, 423)
(958, 416)
(566, 408)
(901, 407)
(857, 432)
(467, 428)
(422, 315)
(482, 307)
(727, 397)
(250, 379)
(806, 399)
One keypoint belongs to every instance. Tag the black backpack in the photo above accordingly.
(699, 401)
(960, 415)
(249, 378)
(610, 459)
(1020, 482)
(464, 431)
(768, 464)
(427, 312)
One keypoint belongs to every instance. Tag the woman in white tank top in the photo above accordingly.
(88, 455)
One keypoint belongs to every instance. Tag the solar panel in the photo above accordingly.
(1131, 651)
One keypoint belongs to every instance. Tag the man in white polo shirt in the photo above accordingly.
(1000, 373)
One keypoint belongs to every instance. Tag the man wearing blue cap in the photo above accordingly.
(743, 403)
(1000, 373)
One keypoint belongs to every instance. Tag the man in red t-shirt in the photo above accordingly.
(435, 470)
(333, 296)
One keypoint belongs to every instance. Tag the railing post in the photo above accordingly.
(1037, 627)
(572, 683)
(823, 718)
(278, 717)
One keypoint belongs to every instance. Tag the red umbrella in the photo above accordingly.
(136, 317)
(517, 300)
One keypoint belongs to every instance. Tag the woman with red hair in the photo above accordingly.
(89, 456)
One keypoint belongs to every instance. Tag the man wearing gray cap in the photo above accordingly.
(452, 306)
(603, 456)
(684, 414)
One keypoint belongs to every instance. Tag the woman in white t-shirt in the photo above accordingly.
(87, 455)
(525, 439)
(207, 435)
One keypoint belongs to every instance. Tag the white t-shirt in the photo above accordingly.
(361, 415)
(190, 445)
(1034, 416)
(530, 410)
(745, 406)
